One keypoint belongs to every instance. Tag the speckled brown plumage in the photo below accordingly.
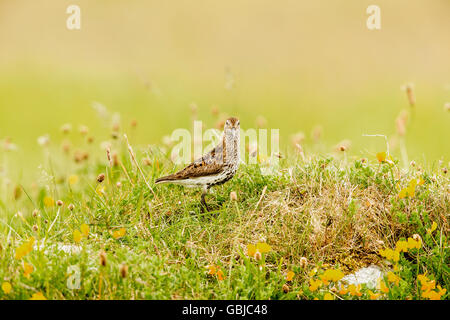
(214, 168)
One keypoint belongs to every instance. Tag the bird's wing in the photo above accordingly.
(209, 164)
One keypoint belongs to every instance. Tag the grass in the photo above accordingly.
(318, 216)
(292, 235)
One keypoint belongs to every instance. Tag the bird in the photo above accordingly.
(215, 167)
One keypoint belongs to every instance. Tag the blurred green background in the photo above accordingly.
(298, 64)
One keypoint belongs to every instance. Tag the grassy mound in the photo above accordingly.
(100, 229)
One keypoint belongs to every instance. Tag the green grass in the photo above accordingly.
(337, 212)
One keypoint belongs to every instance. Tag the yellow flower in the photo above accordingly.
(328, 296)
(393, 278)
(412, 188)
(73, 179)
(355, 290)
(290, 275)
(332, 275)
(24, 249)
(441, 291)
(220, 275)
(119, 233)
(324, 280)
(401, 246)
(314, 284)
(38, 296)
(27, 269)
(312, 272)
(215, 270)
(403, 193)
(429, 285)
(49, 202)
(382, 286)
(422, 278)
(381, 156)
(343, 291)
(251, 250)
(77, 236)
(390, 254)
(414, 243)
(373, 296)
(421, 181)
(395, 256)
(211, 269)
(263, 247)
(84, 229)
(433, 227)
(6, 287)
(432, 295)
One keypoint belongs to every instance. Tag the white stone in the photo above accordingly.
(368, 276)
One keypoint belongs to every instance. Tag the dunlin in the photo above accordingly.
(214, 168)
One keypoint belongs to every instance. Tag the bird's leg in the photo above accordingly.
(205, 206)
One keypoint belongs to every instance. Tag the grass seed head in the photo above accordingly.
(66, 128)
(401, 122)
(66, 147)
(215, 111)
(44, 140)
(17, 192)
(123, 270)
(233, 196)
(303, 262)
(108, 155)
(344, 145)
(71, 207)
(316, 133)
(59, 203)
(261, 122)
(219, 124)
(101, 177)
(409, 89)
(115, 159)
(298, 138)
(83, 130)
(194, 108)
(258, 255)
(103, 260)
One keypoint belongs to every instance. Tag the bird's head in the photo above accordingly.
(232, 126)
